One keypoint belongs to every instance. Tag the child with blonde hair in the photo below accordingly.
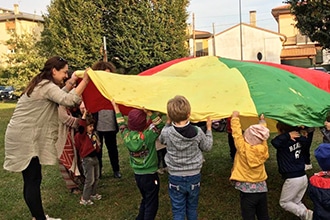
(185, 143)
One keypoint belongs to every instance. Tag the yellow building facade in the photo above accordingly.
(298, 49)
(14, 21)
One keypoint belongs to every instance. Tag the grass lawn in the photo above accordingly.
(218, 199)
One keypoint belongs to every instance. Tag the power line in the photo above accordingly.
(232, 23)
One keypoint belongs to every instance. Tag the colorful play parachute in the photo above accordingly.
(215, 87)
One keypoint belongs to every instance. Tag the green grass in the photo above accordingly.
(218, 199)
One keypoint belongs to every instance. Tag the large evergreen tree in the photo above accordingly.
(139, 34)
(313, 19)
(143, 34)
(73, 30)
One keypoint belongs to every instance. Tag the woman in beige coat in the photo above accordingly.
(33, 129)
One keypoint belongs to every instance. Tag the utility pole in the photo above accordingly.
(240, 28)
(105, 56)
(194, 43)
(213, 42)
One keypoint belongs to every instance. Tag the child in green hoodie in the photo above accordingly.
(140, 141)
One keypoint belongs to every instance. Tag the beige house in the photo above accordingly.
(245, 41)
(14, 21)
(298, 50)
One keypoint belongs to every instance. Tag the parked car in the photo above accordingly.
(7, 93)
(2, 94)
(319, 68)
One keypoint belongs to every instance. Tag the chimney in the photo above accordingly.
(253, 18)
(16, 9)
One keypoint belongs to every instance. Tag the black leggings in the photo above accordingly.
(254, 204)
(110, 138)
(31, 191)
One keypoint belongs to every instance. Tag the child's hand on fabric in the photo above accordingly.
(235, 114)
(262, 120)
(148, 112)
(86, 76)
(304, 133)
(209, 124)
(74, 76)
(293, 135)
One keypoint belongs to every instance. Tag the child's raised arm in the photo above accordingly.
(235, 114)
(262, 120)
(209, 124)
(115, 106)
(148, 112)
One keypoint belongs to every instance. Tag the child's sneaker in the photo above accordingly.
(96, 197)
(309, 215)
(49, 218)
(84, 202)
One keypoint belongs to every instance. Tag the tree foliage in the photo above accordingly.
(24, 63)
(313, 19)
(143, 34)
(73, 30)
(139, 34)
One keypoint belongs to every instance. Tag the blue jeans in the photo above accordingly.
(184, 194)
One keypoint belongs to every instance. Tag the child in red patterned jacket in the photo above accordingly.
(88, 144)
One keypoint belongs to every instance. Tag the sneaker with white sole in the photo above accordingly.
(309, 215)
(96, 197)
(50, 218)
(84, 202)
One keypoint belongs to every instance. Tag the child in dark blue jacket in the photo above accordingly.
(319, 183)
(291, 166)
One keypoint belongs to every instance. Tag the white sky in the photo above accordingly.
(223, 13)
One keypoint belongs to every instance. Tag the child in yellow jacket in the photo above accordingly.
(248, 173)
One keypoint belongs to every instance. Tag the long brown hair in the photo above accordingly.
(56, 62)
